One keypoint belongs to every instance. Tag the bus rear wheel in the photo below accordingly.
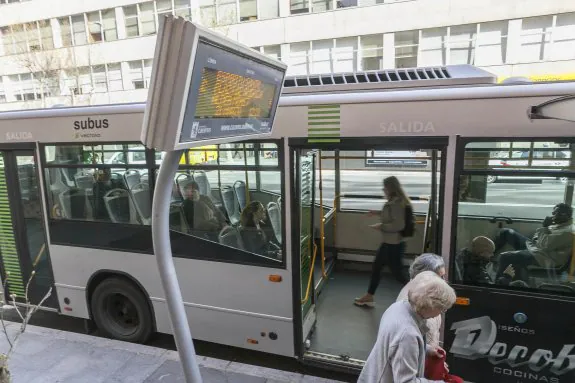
(121, 311)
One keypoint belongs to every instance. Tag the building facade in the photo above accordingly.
(55, 52)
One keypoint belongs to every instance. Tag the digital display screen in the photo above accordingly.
(229, 95)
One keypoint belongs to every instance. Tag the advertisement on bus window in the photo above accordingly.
(505, 337)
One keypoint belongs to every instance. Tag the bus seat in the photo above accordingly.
(231, 204)
(240, 192)
(230, 236)
(131, 178)
(203, 182)
(84, 181)
(275, 219)
(177, 218)
(142, 202)
(119, 206)
(73, 202)
(459, 266)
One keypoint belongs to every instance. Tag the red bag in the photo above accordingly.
(435, 369)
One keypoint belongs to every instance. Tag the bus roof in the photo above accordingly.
(483, 110)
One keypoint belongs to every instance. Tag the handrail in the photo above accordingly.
(370, 196)
(572, 266)
(311, 269)
(322, 220)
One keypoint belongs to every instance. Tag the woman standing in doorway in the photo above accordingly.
(392, 247)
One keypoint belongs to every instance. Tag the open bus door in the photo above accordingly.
(23, 249)
(305, 194)
(336, 248)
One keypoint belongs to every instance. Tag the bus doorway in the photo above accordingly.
(335, 186)
(23, 248)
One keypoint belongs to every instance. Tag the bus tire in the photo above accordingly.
(121, 311)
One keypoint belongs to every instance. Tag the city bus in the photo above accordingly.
(73, 220)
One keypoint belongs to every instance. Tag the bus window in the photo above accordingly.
(515, 229)
(233, 203)
(82, 185)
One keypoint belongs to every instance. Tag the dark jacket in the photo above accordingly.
(475, 270)
(200, 217)
(256, 241)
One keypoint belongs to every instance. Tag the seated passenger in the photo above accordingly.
(208, 201)
(254, 238)
(102, 185)
(478, 265)
(199, 214)
(550, 246)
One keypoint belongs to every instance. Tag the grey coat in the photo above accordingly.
(399, 352)
(392, 221)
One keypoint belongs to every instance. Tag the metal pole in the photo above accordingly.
(163, 252)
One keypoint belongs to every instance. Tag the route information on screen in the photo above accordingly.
(228, 95)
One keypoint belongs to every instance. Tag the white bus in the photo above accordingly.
(82, 221)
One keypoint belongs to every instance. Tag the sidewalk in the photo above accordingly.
(51, 356)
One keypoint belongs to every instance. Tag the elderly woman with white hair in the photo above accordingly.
(426, 262)
(399, 352)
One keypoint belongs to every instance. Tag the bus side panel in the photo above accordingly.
(226, 303)
(273, 336)
(510, 337)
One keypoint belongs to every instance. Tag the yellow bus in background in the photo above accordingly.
(201, 155)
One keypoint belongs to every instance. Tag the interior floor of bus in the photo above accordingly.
(342, 328)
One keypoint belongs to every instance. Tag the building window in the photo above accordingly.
(227, 12)
(491, 44)
(346, 3)
(535, 38)
(79, 35)
(174, 7)
(2, 91)
(432, 47)
(564, 37)
(268, 9)
(371, 52)
(274, 51)
(462, 43)
(306, 6)
(27, 87)
(28, 37)
(248, 10)
(208, 12)
(140, 73)
(115, 81)
(299, 6)
(140, 19)
(299, 59)
(321, 5)
(321, 56)
(406, 44)
(109, 25)
(345, 55)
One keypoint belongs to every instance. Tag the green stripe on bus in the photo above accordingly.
(334, 117)
(8, 250)
(323, 130)
(325, 106)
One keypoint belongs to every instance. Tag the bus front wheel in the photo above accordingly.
(121, 311)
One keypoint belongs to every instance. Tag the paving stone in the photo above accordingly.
(137, 369)
(169, 372)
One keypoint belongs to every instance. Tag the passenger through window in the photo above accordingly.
(230, 194)
(98, 183)
(515, 216)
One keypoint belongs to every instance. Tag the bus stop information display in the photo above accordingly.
(229, 95)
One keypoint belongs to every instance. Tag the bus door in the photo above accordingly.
(23, 249)
(513, 320)
(336, 186)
